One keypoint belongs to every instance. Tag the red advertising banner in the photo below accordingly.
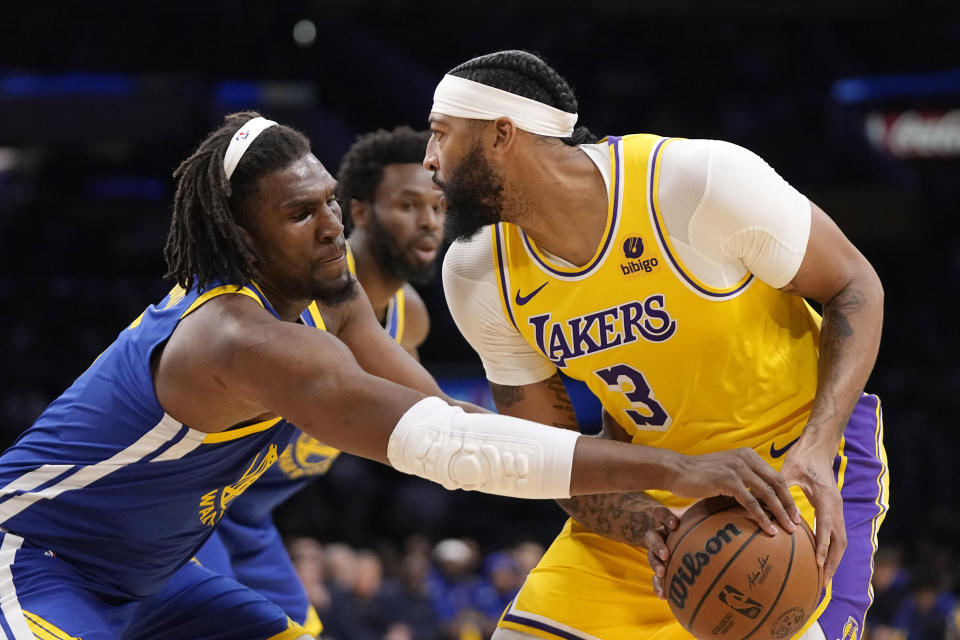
(915, 134)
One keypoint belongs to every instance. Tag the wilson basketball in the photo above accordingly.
(729, 579)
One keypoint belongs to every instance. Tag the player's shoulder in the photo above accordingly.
(222, 324)
(471, 259)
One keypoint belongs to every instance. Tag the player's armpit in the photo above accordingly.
(546, 402)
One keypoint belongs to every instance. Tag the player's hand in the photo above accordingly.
(658, 555)
(815, 477)
(744, 476)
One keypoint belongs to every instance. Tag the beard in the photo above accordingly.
(333, 294)
(474, 196)
(391, 256)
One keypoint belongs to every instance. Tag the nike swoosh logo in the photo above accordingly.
(522, 300)
(776, 453)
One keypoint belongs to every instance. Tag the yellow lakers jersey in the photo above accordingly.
(678, 363)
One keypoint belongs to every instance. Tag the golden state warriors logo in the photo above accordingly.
(214, 504)
(850, 629)
(306, 456)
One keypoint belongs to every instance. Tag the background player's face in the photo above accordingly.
(405, 225)
(472, 190)
(297, 233)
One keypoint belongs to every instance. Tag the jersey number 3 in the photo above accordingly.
(647, 413)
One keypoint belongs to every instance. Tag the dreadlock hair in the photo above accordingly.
(206, 240)
(361, 168)
(525, 74)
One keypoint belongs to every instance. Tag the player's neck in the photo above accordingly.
(564, 204)
(379, 284)
(288, 309)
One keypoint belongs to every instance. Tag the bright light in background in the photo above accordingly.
(304, 33)
(8, 158)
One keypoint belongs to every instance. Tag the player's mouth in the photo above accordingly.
(340, 256)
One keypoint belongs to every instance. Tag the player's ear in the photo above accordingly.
(251, 241)
(360, 212)
(505, 134)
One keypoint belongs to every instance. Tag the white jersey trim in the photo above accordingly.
(161, 434)
(9, 603)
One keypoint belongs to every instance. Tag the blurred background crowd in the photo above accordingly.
(856, 103)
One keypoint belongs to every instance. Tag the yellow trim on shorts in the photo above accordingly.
(313, 624)
(43, 630)
(233, 434)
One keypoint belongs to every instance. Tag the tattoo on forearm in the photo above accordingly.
(563, 402)
(834, 345)
(506, 396)
(624, 517)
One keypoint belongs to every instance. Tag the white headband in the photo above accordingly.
(241, 141)
(464, 98)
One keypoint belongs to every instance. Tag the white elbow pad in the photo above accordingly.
(482, 451)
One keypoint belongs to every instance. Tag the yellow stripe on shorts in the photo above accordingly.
(43, 630)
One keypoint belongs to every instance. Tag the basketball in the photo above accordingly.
(729, 579)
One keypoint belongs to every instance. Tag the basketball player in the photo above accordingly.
(125, 475)
(669, 275)
(395, 226)
(399, 226)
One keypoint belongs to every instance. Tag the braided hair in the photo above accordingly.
(206, 240)
(361, 168)
(525, 74)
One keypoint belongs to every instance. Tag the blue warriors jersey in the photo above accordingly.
(299, 461)
(108, 481)
(304, 458)
(393, 322)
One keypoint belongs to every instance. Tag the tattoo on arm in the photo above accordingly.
(562, 403)
(836, 324)
(563, 414)
(624, 517)
(504, 395)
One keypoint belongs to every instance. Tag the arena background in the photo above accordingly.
(856, 103)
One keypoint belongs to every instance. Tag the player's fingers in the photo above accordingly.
(775, 492)
(658, 587)
(838, 544)
(773, 503)
(657, 551)
(665, 517)
(824, 532)
(754, 509)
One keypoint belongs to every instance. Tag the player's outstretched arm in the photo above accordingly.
(741, 473)
(231, 361)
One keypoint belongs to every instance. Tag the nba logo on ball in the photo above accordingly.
(728, 579)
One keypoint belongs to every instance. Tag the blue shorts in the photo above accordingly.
(43, 596)
(255, 556)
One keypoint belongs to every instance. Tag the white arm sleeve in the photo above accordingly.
(470, 286)
(482, 451)
(727, 212)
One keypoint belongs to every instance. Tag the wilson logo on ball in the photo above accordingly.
(692, 564)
